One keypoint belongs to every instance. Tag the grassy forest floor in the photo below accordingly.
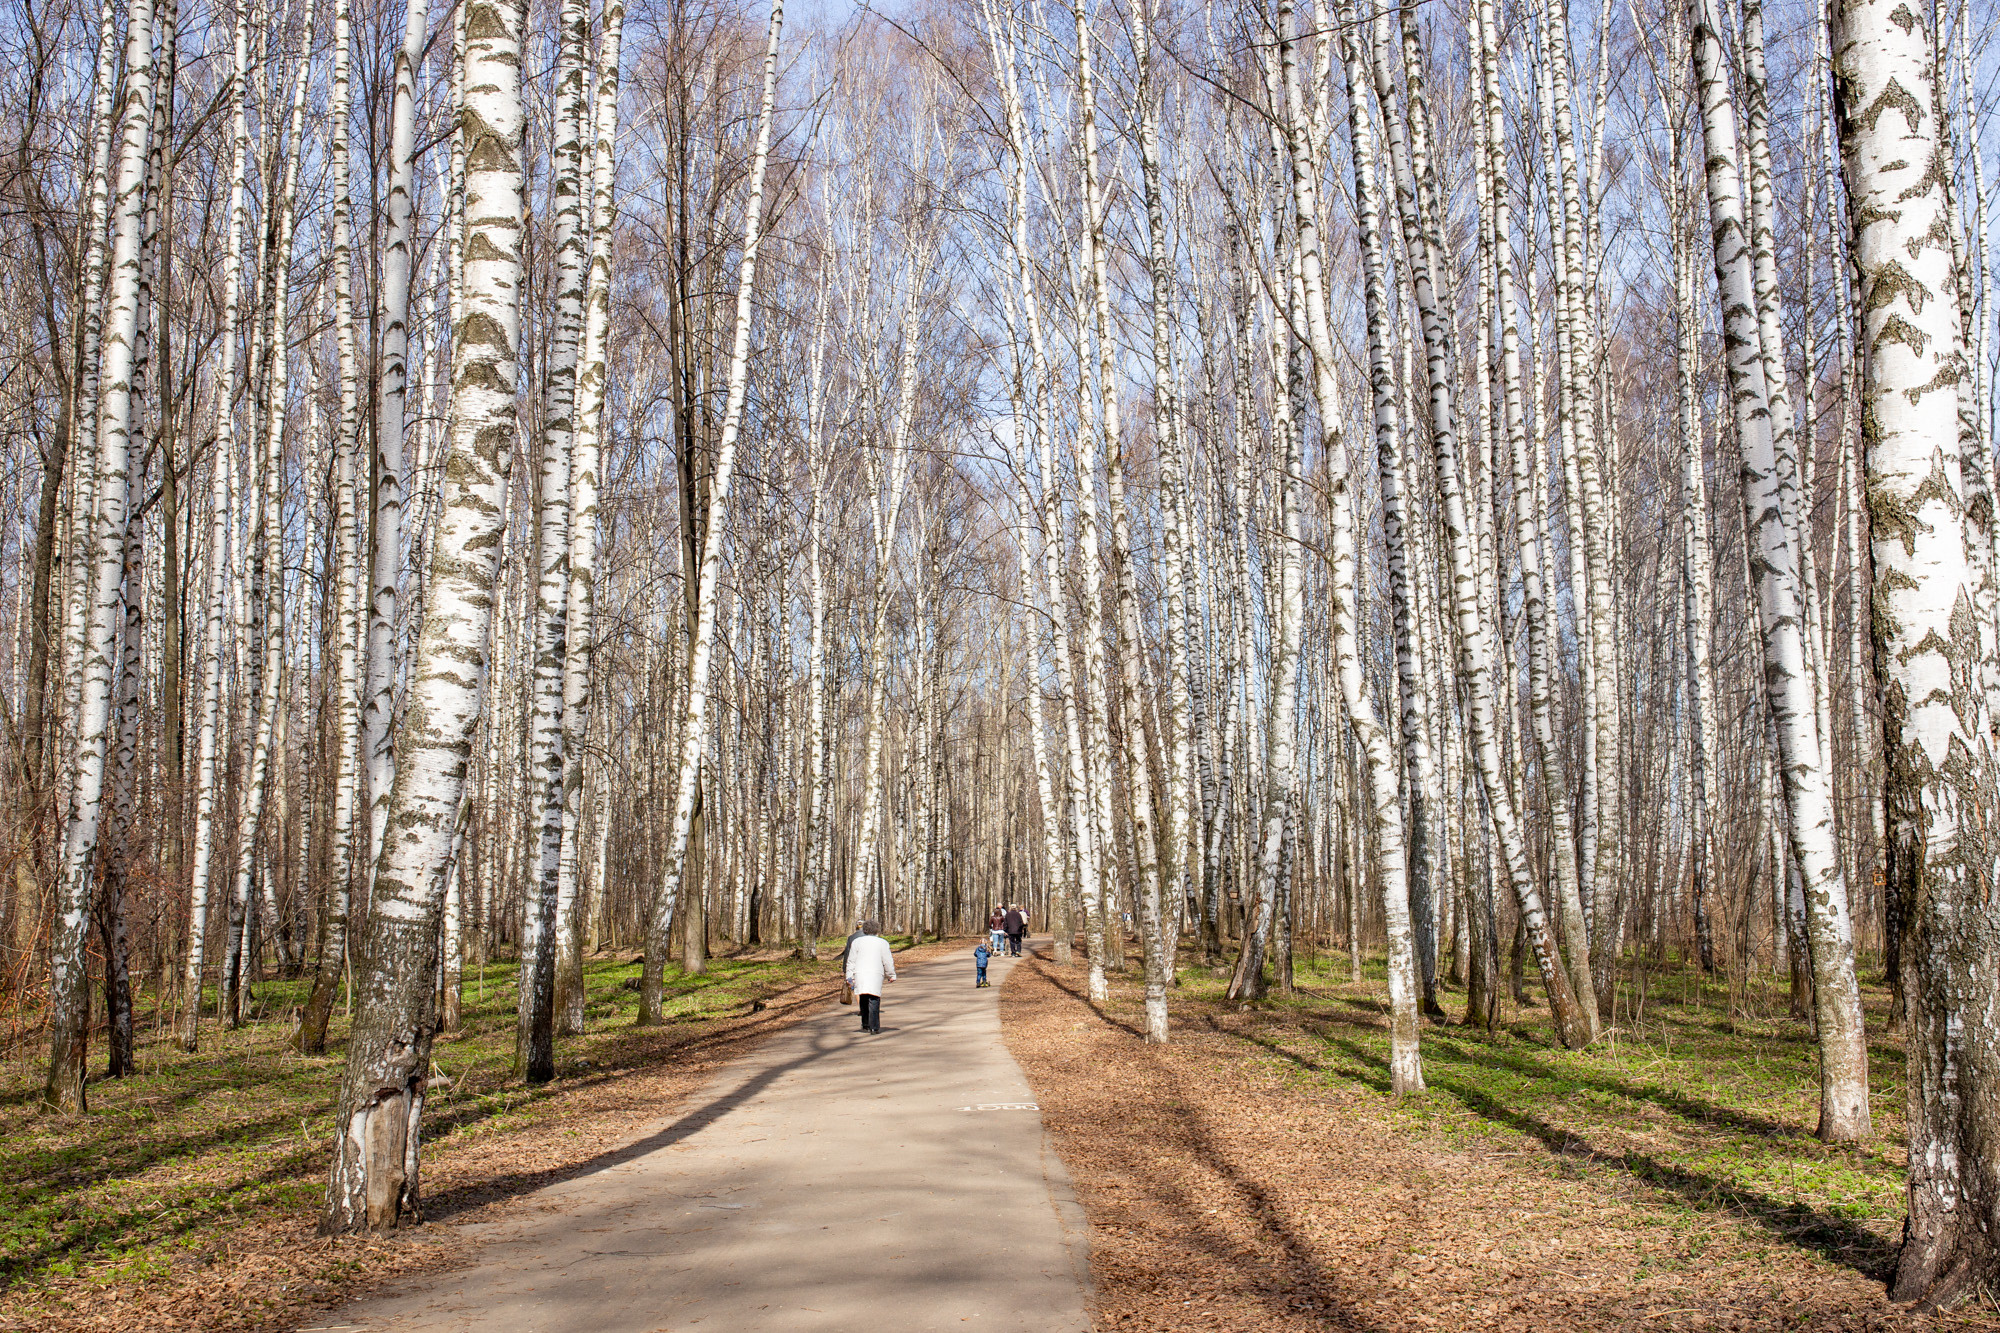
(1257, 1175)
(187, 1199)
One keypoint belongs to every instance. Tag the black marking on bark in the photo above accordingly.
(1893, 97)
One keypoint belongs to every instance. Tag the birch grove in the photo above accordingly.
(1498, 494)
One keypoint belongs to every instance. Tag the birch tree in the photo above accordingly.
(1768, 478)
(593, 384)
(1927, 547)
(373, 1184)
(534, 1055)
(208, 744)
(68, 979)
(695, 714)
(1406, 1071)
(386, 530)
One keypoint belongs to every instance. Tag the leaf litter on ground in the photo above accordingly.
(1256, 1175)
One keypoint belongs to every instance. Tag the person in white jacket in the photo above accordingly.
(870, 966)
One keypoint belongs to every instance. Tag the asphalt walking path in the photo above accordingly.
(829, 1180)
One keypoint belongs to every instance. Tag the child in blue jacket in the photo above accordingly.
(980, 955)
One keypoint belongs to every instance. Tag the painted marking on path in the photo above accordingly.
(1003, 1106)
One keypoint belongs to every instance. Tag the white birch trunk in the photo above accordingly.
(887, 510)
(592, 385)
(1083, 842)
(1405, 1067)
(271, 529)
(389, 480)
(351, 578)
(216, 603)
(1788, 675)
(1928, 552)
(1571, 1001)
(81, 534)
(694, 720)
(68, 966)
(813, 821)
(541, 914)
(373, 1184)
(1125, 612)
(1158, 921)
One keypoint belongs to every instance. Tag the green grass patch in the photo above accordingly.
(1697, 1104)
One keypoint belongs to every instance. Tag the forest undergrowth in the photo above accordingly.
(189, 1196)
(1256, 1173)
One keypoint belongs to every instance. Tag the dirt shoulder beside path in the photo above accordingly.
(251, 1260)
(1236, 1180)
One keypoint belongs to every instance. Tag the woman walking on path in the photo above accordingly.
(993, 929)
(870, 966)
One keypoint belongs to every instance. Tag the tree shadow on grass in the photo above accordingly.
(1471, 1050)
(1832, 1237)
(1469, 1047)
(105, 1148)
(147, 1223)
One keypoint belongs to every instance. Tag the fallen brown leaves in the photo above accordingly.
(1223, 1195)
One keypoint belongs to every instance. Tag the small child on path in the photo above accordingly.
(979, 956)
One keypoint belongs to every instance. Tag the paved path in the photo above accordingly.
(829, 1180)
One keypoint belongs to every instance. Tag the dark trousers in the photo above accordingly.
(1014, 946)
(871, 1012)
(982, 972)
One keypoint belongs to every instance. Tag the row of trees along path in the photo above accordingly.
(478, 478)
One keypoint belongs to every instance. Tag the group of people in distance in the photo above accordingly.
(869, 964)
(1010, 922)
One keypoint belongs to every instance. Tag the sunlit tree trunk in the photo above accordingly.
(813, 822)
(1264, 909)
(1389, 463)
(1699, 576)
(1083, 859)
(1570, 998)
(1788, 674)
(388, 482)
(694, 717)
(208, 742)
(541, 913)
(347, 558)
(268, 443)
(1160, 903)
(889, 481)
(69, 1000)
(373, 1184)
(1386, 816)
(1943, 785)
(592, 385)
